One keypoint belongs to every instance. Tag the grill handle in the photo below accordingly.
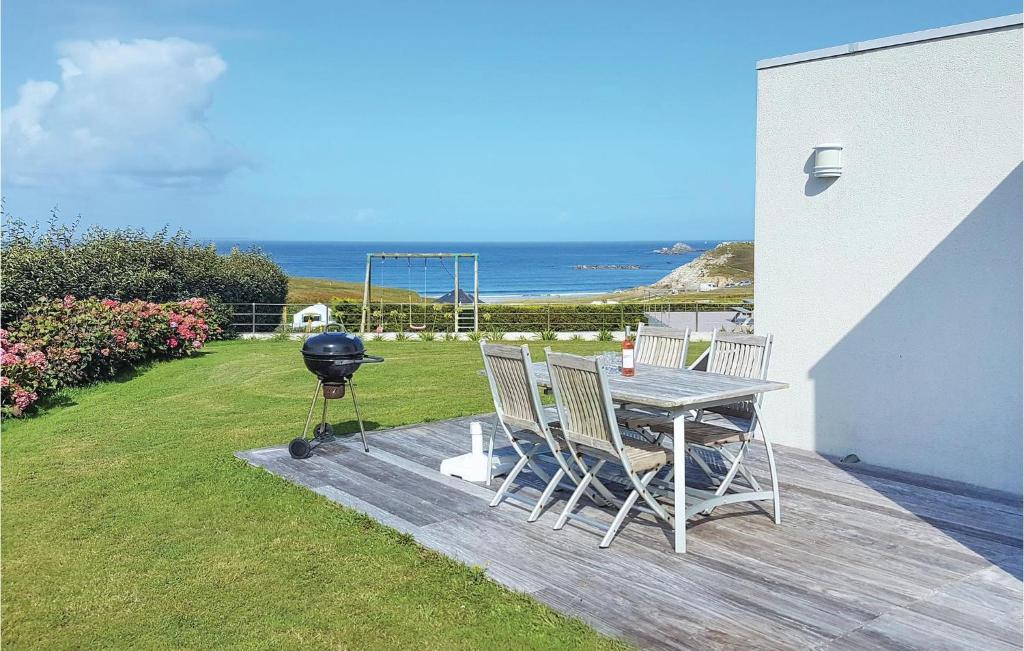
(365, 359)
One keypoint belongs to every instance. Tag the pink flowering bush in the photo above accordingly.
(70, 342)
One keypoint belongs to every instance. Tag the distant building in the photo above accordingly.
(893, 286)
(707, 287)
(314, 316)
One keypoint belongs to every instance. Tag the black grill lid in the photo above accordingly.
(334, 344)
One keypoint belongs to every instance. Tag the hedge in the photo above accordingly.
(561, 317)
(440, 316)
(70, 342)
(127, 264)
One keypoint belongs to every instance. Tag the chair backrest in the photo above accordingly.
(740, 355)
(510, 374)
(661, 346)
(584, 402)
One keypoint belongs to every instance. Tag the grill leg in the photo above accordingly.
(323, 421)
(355, 403)
(309, 416)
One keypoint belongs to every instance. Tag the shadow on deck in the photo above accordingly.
(849, 567)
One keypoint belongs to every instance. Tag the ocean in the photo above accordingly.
(507, 269)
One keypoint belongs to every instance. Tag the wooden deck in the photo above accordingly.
(864, 558)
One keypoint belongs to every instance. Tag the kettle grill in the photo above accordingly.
(333, 357)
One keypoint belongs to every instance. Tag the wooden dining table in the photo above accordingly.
(678, 392)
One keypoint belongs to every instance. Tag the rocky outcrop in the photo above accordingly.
(676, 249)
(728, 264)
(608, 266)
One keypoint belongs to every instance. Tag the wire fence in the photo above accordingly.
(265, 318)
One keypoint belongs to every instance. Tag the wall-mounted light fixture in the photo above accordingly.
(828, 160)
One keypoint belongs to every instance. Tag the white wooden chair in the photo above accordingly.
(661, 346)
(520, 414)
(587, 416)
(655, 346)
(739, 355)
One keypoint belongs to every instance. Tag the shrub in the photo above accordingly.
(547, 335)
(426, 335)
(127, 264)
(69, 342)
(401, 336)
(476, 335)
(604, 335)
(494, 335)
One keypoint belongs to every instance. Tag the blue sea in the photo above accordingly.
(507, 269)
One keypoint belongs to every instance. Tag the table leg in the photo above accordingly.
(679, 485)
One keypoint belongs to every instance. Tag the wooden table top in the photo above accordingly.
(671, 388)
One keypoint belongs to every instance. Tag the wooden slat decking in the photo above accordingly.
(864, 558)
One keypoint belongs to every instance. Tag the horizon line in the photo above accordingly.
(610, 241)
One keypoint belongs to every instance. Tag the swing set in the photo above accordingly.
(461, 320)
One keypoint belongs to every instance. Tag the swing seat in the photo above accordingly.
(417, 328)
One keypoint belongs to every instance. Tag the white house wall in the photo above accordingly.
(894, 291)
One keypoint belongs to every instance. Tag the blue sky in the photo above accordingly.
(473, 121)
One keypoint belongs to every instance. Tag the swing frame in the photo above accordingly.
(382, 257)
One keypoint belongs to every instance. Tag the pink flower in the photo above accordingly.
(36, 359)
(120, 335)
(23, 399)
(133, 345)
(105, 352)
(4, 381)
(197, 344)
(19, 348)
(172, 342)
(9, 359)
(69, 301)
(109, 303)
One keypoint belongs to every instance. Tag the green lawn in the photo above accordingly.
(128, 522)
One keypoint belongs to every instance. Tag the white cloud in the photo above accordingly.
(127, 112)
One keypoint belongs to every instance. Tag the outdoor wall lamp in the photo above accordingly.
(828, 160)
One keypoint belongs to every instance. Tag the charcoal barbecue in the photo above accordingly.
(333, 357)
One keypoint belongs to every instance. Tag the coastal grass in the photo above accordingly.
(319, 290)
(306, 291)
(128, 522)
(645, 295)
(642, 294)
(740, 263)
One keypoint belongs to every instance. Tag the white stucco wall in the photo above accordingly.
(894, 292)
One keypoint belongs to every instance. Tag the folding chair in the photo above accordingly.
(655, 346)
(521, 415)
(661, 346)
(587, 416)
(741, 356)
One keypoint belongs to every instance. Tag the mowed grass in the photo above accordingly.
(320, 290)
(128, 522)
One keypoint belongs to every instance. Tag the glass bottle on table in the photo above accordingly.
(628, 365)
